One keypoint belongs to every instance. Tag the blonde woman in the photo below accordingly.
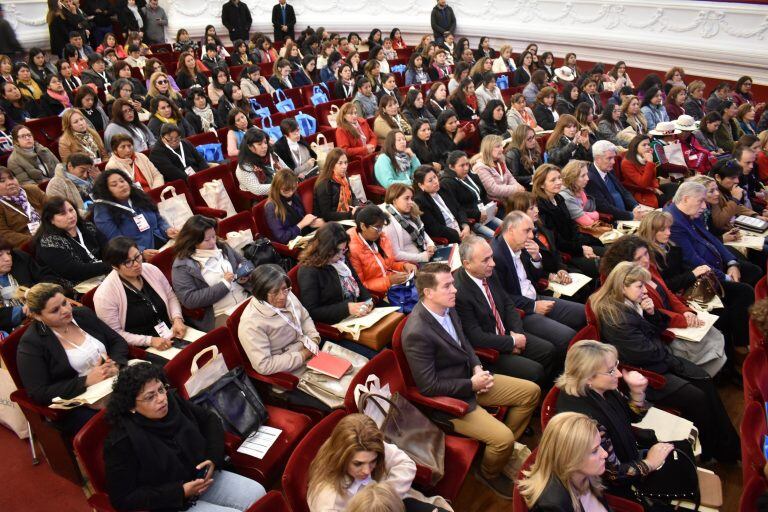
(491, 168)
(569, 462)
(354, 456)
(378, 497)
(632, 116)
(581, 207)
(504, 63)
(79, 137)
(628, 319)
(160, 85)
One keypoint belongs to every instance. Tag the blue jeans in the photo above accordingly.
(488, 229)
(229, 492)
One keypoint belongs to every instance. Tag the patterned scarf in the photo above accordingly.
(88, 143)
(22, 202)
(349, 287)
(403, 162)
(345, 194)
(61, 97)
(206, 116)
(412, 225)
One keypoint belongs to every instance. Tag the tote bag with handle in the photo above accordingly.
(318, 95)
(215, 195)
(307, 124)
(268, 127)
(174, 208)
(284, 103)
(332, 116)
(204, 376)
(321, 149)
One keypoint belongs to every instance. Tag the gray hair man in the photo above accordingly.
(609, 194)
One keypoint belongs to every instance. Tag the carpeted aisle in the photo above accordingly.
(28, 488)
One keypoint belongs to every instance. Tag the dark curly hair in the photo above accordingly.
(139, 198)
(759, 315)
(622, 249)
(324, 246)
(127, 387)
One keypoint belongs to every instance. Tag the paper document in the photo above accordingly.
(628, 226)
(489, 209)
(89, 284)
(748, 241)
(669, 427)
(353, 325)
(715, 303)
(695, 333)
(346, 222)
(258, 443)
(192, 335)
(455, 262)
(91, 395)
(610, 236)
(569, 290)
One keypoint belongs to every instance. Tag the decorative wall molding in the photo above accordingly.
(709, 38)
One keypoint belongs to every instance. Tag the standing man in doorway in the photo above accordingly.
(236, 16)
(283, 20)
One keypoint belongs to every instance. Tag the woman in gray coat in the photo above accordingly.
(208, 274)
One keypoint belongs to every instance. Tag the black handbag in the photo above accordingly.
(677, 479)
(234, 399)
(261, 252)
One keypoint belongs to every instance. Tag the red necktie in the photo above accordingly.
(499, 324)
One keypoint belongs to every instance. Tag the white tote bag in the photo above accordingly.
(10, 413)
(373, 386)
(215, 195)
(356, 184)
(174, 209)
(202, 377)
(239, 239)
(332, 116)
(321, 149)
(674, 154)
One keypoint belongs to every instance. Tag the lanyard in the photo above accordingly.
(128, 208)
(296, 154)
(28, 208)
(181, 156)
(467, 182)
(143, 296)
(376, 254)
(296, 327)
(81, 243)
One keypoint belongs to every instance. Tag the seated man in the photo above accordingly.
(443, 363)
(489, 318)
(554, 320)
(609, 194)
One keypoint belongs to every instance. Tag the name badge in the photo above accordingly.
(141, 222)
(137, 185)
(163, 331)
(190, 171)
(33, 227)
(96, 161)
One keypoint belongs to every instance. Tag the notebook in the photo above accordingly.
(329, 365)
(442, 254)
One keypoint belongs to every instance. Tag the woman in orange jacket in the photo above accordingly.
(639, 170)
(371, 253)
(353, 133)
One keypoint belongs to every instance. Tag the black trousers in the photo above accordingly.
(735, 322)
(535, 363)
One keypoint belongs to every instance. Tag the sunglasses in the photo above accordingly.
(161, 82)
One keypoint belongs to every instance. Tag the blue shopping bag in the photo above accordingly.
(258, 110)
(284, 103)
(399, 68)
(307, 124)
(270, 129)
(403, 296)
(502, 82)
(211, 152)
(318, 96)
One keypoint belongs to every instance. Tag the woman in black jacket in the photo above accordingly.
(568, 143)
(165, 453)
(421, 144)
(68, 244)
(415, 109)
(188, 73)
(442, 217)
(628, 320)
(330, 288)
(493, 120)
(333, 197)
(448, 135)
(544, 112)
(463, 101)
(468, 193)
(523, 154)
(294, 150)
(567, 100)
(200, 114)
(64, 351)
(174, 156)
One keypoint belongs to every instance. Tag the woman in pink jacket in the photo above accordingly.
(492, 170)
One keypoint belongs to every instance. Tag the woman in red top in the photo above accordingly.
(675, 101)
(353, 133)
(639, 170)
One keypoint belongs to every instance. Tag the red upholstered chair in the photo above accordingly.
(203, 138)
(755, 372)
(46, 130)
(761, 288)
(518, 503)
(273, 501)
(755, 487)
(57, 447)
(753, 429)
(756, 338)
(87, 299)
(306, 192)
(548, 406)
(257, 212)
(164, 261)
(322, 111)
(372, 187)
(238, 222)
(326, 331)
(459, 451)
(181, 188)
(292, 424)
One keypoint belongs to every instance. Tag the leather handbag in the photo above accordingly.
(260, 252)
(596, 229)
(380, 334)
(677, 478)
(407, 428)
(704, 289)
(234, 399)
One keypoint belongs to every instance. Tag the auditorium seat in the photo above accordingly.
(548, 406)
(755, 373)
(753, 431)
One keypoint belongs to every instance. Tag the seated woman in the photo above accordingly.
(121, 209)
(371, 254)
(256, 163)
(396, 162)
(632, 116)
(294, 151)
(122, 69)
(467, 191)
(344, 89)
(64, 351)
(6, 139)
(125, 121)
(544, 111)
(233, 98)
(188, 72)
(238, 123)
(639, 169)
(55, 99)
(675, 102)
(17, 107)
(416, 72)
(364, 100)
(165, 111)
(136, 299)
(487, 91)
(629, 320)
(523, 154)
(200, 116)
(566, 474)
(125, 89)
(388, 118)
(704, 137)
(20, 207)
(653, 109)
(67, 244)
(415, 109)
(277, 333)
(353, 133)
(160, 83)
(449, 135)
(441, 216)
(356, 455)
(404, 230)
(464, 102)
(284, 211)
(567, 142)
(519, 113)
(308, 74)
(78, 137)
(589, 385)
(421, 144)
(175, 157)
(610, 125)
(282, 77)
(333, 196)
(524, 69)
(330, 288)
(252, 83)
(437, 99)
(493, 120)
(30, 161)
(492, 170)
(134, 164)
(745, 118)
(219, 78)
(158, 446)
(581, 207)
(26, 84)
(207, 273)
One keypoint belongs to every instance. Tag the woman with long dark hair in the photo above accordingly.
(125, 120)
(257, 163)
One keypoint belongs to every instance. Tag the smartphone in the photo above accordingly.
(200, 473)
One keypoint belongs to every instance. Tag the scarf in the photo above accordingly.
(31, 86)
(88, 143)
(360, 135)
(20, 200)
(138, 176)
(34, 159)
(412, 225)
(83, 186)
(166, 120)
(345, 194)
(206, 117)
(61, 97)
(349, 287)
(403, 162)
(472, 102)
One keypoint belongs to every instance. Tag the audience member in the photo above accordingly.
(78, 137)
(174, 157)
(30, 161)
(467, 191)
(491, 168)
(125, 121)
(20, 207)
(405, 230)
(353, 134)
(334, 198)
(610, 195)
(256, 163)
(442, 216)
(133, 164)
(284, 211)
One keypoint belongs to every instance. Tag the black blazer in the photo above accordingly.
(432, 217)
(521, 76)
(43, 364)
(439, 366)
(326, 201)
(603, 201)
(283, 151)
(184, 81)
(551, 259)
(322, 296)
(556, 498)
(276, 83)
(424, 152)
(544, 116)
(463, 111)
(197, 124)
(556, 218)
(507, 275)
(677, 275)
(169, 162)
(475, 313)
(565, 150)
(340, 93)
(462, 195)
(61, 252)
(277, 17)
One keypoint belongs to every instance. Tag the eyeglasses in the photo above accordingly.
(378, 229)
(26, 136)
(612, 372)
(161, 82)
(154, 395)
(172, 140)
(130, 261)
(283, 291)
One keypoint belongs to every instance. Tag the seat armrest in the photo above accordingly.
(283, 250)
(283, 380)
(487, 354)
(423, 476)
(209, 212)
(655, 380)
(452, 406)
(21, 397)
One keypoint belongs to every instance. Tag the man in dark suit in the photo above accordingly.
(610, 195)
(443, 21)
(283, 20)
(489, 317)
(554, 320)
(443, 363)
(236, 16)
